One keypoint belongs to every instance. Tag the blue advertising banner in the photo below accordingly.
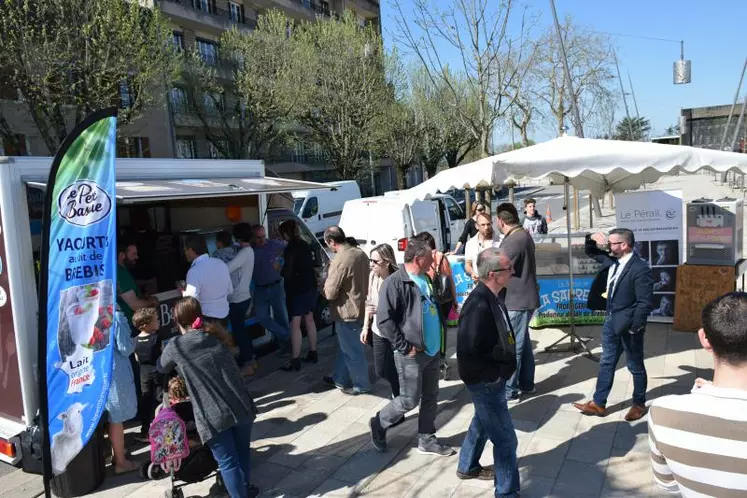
(463, 283)
(555, 306)
(77, 285)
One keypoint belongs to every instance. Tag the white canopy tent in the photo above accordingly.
(588, 164)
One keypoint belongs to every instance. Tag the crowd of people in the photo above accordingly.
(400, 312)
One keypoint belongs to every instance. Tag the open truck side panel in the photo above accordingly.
(195, 192)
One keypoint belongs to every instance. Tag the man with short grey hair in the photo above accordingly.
(410, 318)
(486, 358)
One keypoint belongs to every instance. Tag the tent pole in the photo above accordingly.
(572, 335)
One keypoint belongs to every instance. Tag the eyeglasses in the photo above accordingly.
(376, 261)
(615, 243)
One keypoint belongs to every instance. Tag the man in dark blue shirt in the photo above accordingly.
(269, 292)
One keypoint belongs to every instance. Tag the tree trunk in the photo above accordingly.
(401, 178)
(485, 143)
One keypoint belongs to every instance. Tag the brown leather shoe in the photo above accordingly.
(591, 408)
(635, 413)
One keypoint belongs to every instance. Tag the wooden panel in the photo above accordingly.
(697, 286)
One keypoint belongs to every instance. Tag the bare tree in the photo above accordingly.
(590, 60)
(489, 56)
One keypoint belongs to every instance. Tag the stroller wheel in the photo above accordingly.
(154, 472)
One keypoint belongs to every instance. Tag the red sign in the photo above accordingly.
(704, 235)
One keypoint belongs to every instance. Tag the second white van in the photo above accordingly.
(320, 209)
(390, 219)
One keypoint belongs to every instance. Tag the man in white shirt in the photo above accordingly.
(241, 268)
(486, 237)
(208, 279)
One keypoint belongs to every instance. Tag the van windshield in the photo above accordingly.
(297, 204)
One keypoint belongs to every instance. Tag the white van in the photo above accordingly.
(176, 196)
(321, 209)
(390, 219)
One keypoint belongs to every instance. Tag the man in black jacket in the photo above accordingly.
(486, 357)
(410, 318)
(629, 300)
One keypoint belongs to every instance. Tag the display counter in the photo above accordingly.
(553, 278)
(554, 281)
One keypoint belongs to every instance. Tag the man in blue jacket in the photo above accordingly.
(629, 300)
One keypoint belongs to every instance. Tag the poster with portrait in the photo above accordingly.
(656, 219)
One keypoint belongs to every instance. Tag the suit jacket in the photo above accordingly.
(486, 348)
(633, 295)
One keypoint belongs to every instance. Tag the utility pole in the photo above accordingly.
(569, 83)
(625, 100)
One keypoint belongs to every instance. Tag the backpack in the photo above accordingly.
(168, 439)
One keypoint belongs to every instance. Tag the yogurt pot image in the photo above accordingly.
(81, 319)
(88, 294)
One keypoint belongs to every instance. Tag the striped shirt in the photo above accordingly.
(699, 442)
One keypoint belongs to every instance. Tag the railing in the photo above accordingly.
(209, 7)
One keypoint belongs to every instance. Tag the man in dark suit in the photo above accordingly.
(486, 357)
(629, 301)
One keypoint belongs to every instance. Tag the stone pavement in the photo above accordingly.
(312, 441)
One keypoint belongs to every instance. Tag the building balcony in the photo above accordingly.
(198, 14)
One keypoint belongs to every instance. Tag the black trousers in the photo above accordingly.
(383, 356)
(151, 383)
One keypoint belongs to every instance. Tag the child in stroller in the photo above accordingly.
(176, 449)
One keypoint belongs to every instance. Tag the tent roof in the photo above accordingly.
(589, 164)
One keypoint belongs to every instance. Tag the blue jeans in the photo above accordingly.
(231, 450)
(272, 298)
(612, 347)
(523, 377)
(492, 421)
(351, 366)
(237, 318)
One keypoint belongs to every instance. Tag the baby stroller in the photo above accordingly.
(176, 450)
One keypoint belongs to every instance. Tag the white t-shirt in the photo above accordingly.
(475, 246)
(241, 268)
(209, 281)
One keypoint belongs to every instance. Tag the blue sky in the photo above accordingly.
(714, 34)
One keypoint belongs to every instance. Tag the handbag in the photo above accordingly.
(442, 291)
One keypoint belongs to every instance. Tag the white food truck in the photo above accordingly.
(162, 199)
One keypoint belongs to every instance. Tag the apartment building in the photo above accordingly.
(704, 127)
(172, 131)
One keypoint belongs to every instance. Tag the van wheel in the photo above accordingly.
(322, 315)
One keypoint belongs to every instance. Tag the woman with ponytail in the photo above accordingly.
(223, 409)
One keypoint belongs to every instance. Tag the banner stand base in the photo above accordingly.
(576, 344)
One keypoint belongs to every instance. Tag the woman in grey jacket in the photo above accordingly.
(223, 409)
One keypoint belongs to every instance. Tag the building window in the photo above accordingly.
(133, 147)
(324, 7)
(178, 98)
(205, 5)
(218, 149)
(126, 95)
(17, 147)
(186, 148)
(213, 103)
(178, 39)
(236, 12)
(208, 51)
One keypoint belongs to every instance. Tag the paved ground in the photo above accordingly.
(311, 441)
